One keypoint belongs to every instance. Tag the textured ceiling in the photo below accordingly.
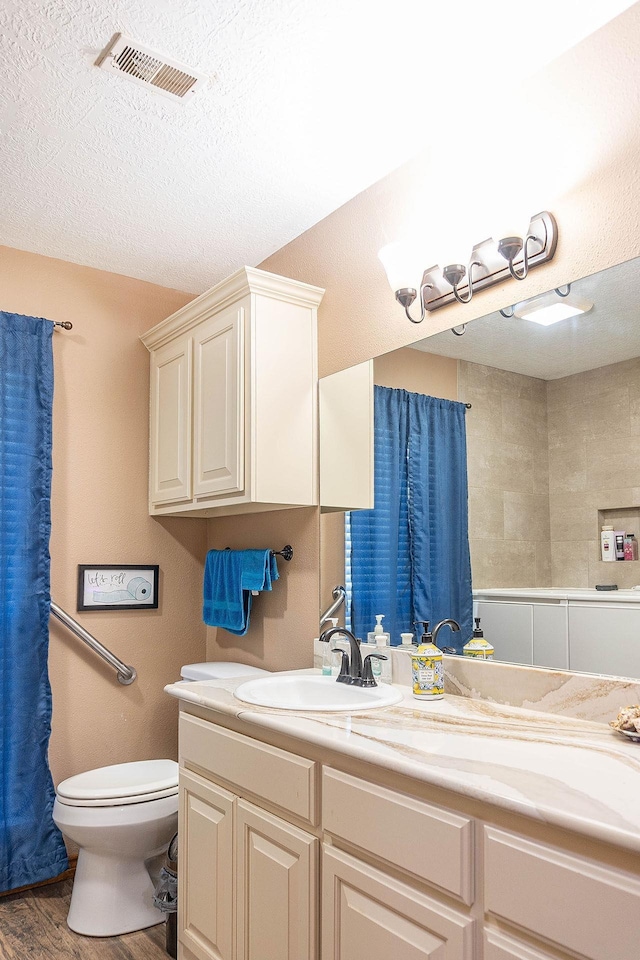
(608, 333)
(307, 104)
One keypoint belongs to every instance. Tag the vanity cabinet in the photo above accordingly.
(233, 421)
(287, 855)
(248, 879)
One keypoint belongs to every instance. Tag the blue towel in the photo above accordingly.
(229, 578)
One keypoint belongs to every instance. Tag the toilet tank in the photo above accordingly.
(219, 670)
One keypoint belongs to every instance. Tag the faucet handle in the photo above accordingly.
(368, 680)
(343, 676)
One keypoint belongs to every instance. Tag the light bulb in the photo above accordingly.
(403, 265)
(514, 223)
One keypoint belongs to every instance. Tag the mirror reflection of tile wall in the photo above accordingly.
(545, 459)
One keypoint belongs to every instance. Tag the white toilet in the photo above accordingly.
(120, 817)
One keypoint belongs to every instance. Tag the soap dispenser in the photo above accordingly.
(329, 659)
(378, 635)
(382, 669)
(478, 647)
(406, 642)
(427, 668)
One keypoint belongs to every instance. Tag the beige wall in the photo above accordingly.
(582, 114)
(418, 372)
(508, 471)
(594, 467)
(283, 622)
(99, 513)
(578, 126)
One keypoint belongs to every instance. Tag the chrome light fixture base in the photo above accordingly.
(493, 262)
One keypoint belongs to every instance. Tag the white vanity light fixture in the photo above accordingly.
(551, 307)
(484, 266)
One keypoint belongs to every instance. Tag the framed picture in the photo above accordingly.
(125, 587)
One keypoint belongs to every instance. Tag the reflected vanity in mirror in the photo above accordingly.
(553, 454)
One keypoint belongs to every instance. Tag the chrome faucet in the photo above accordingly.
(352, 669)
(455, 626)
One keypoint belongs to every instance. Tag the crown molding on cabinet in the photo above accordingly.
(247, 280)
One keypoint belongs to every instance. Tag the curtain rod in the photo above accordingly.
(65, 324)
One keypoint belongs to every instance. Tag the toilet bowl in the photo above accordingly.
(119, 816)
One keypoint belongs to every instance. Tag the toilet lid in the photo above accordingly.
(143, 779)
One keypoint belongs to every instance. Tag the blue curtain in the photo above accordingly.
(31, 847)
(380, 573)
(409, 557)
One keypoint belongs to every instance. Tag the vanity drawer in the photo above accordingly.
(274, 775)
(429, 842)
(574, 902)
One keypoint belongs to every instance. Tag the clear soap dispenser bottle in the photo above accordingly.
(426, 667)
(378, 632)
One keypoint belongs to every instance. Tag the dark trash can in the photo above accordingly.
(166, 896)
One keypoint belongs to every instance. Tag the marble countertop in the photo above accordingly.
(557, 593)
(574, 774)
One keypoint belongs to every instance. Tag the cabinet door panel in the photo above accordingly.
(568, 900)
(368, 915)
(276, 890)
(604, 638)
(205, 865)
(498, 946)
(170, 423)
(219, 404)
(550, 635)
(509, 626)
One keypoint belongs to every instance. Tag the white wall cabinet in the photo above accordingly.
(233, 405)
(347, 439)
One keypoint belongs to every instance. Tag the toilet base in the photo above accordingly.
(111, 896)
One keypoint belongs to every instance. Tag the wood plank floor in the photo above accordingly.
(33, 925)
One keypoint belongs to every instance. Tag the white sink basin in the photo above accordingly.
(314, 693)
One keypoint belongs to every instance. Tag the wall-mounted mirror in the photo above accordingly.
(553, 454)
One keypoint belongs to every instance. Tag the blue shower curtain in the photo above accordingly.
(409, 556)
(31, 847)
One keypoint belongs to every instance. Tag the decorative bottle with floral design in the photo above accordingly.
(426, 667)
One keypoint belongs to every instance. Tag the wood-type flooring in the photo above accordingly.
(33, 926)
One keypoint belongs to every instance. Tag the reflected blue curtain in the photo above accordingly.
(378, 559)
(409, 557)
(31, 847)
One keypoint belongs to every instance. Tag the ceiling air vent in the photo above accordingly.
(150, 68)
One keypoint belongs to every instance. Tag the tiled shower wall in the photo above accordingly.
(548, 463)
(508, 470)
(594, 468)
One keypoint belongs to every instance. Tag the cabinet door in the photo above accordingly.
(346, 439)
(276, 888)
(219, 404)
(170, 423)
(368, 915)
(205, 868)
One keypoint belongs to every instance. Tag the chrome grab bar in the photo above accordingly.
(338, 593)
(126, 674)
